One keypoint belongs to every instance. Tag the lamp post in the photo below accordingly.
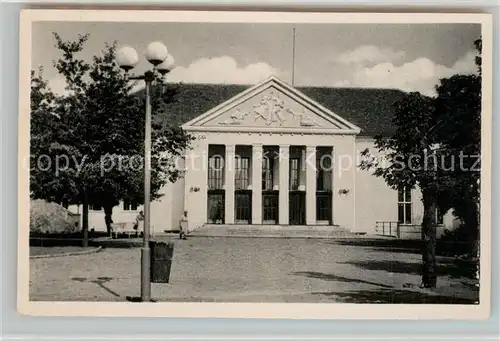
(127, 58)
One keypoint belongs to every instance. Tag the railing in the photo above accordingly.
(388, 228)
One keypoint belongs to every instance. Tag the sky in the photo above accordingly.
(409, 57)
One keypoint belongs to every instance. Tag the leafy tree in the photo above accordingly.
(409, 162)
(431, 135)
(99, 130)
(458, 110)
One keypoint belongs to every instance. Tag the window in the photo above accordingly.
(95, 207)
(267, 174)
(242, 172)
(130, 205)
(294, 174)
(439, 217)
(320, 180)
(215, 172)
(404, 206)
(320, 175)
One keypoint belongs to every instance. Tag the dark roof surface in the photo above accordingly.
(370, 109)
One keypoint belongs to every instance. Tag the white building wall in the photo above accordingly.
(375, 201)
(177, 193)
(196, 179)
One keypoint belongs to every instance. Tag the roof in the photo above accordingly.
(370, 109)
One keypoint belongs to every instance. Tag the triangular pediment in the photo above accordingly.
(271, 105)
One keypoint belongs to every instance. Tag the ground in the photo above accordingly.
(256, 270)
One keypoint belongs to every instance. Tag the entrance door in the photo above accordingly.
(216, 206)
(243, 207)
(297, 208)
(270, 207)
(324, 206)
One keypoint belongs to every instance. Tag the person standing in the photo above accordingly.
(183, 226)
(139, 219)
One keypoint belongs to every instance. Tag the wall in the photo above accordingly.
(196, 182)
(375, 201)
(177, 191)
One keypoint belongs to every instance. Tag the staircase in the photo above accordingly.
(271, 231)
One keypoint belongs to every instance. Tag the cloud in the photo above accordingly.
(218, 70)
(222, 70)
(421, 74)
(369, 54)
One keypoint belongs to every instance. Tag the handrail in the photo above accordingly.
(388, 226)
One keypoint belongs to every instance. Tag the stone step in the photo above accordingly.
(282, 231)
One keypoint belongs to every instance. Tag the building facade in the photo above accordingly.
(272, 155)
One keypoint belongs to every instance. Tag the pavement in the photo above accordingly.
(217, 269)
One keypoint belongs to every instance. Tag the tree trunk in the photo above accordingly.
(85, 221)
(471, 222)
(108, 214)
(429, 274)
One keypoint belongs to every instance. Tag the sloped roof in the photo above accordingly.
(370, 109)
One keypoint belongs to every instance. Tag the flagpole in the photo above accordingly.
(293, 58)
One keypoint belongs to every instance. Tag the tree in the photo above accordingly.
(458, 110)
(100, 133)
(431, 135)
(410, 161)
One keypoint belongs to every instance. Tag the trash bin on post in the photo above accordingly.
(161, 261)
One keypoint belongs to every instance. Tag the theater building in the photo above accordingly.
(273, 154)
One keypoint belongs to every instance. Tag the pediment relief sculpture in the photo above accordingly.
(271, 109)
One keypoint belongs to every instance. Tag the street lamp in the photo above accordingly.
(127, 58)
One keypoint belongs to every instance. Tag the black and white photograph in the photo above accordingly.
(207, 157)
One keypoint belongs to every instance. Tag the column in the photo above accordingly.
(229, 184)
(257, 183)
(284, 178)
(311, 185)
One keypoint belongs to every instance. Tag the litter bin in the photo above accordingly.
(161, 261)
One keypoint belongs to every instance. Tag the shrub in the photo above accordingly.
(51, 218)
(459, 242)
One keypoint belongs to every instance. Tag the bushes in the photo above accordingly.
(50, 218)
(460, 242)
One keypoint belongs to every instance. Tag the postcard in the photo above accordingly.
(255, 164)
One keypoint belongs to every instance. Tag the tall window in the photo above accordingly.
(130, 205)
(242, 172)
(439, 217)
(294, 174)
(215, 172)
(267, 174)
(404, 206)
(320, 175)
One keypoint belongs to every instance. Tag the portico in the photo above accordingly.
(268, 156)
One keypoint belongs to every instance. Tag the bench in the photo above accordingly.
(126, 228)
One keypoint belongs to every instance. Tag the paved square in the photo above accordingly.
(254, 270)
